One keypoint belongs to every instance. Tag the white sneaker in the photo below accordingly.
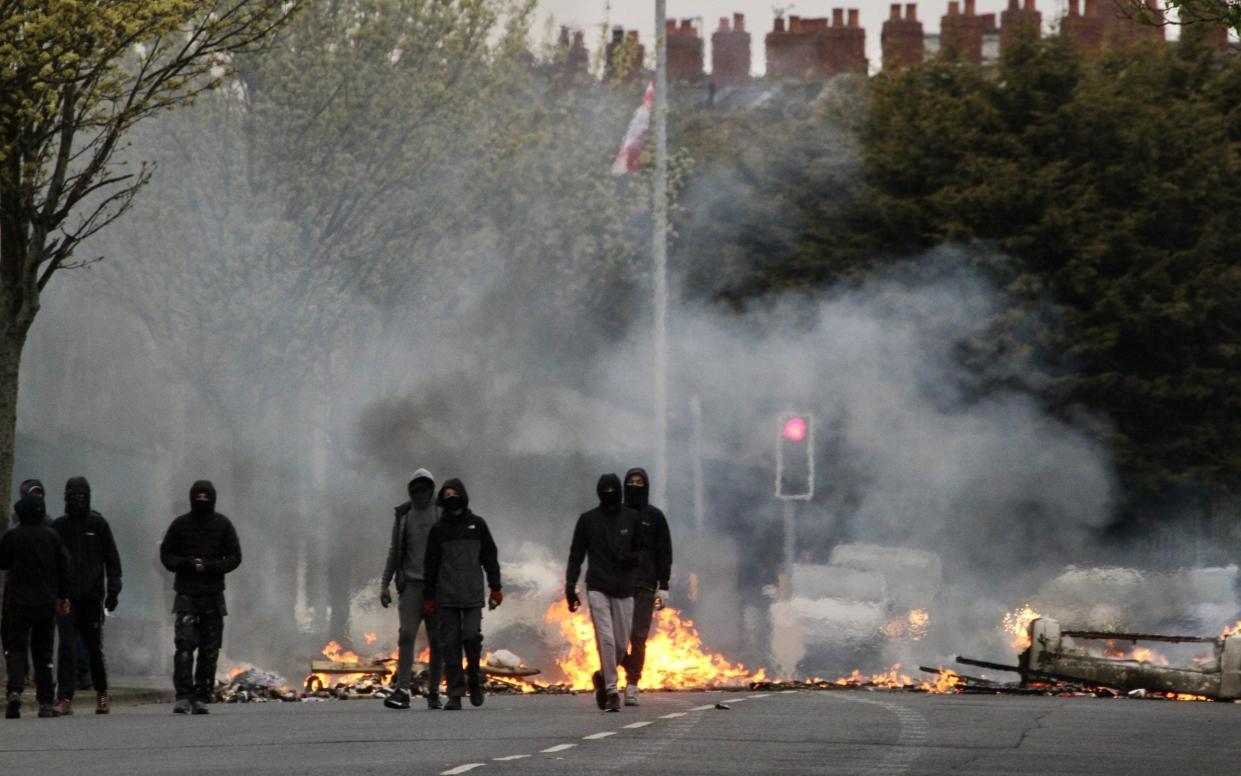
(631, 695)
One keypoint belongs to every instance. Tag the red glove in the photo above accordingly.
(497, 598)
(428, 606)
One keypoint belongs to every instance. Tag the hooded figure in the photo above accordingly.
(652, 574)
(88, 539)
(407, 552)
(200, 547)
(460, 551)
(38, 587)
(608, 539)
(27, 488)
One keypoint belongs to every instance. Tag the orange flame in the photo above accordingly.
(338, 654)
(891, 679)
(371, 638)
(913, 625)
(1232, 630)
(675, 655)
(1017, 626)
(946, 682)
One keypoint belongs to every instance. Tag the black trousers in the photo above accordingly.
(461, 631)
(199, 627)
(33, 634)
(84, 621)
(643, 611)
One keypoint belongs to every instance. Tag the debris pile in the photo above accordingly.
(247, 684)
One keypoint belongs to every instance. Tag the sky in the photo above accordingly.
(640, 15)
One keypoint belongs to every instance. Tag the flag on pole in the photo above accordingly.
(631, 148)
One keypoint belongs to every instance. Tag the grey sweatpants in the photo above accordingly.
(411, 616)
(613, 620)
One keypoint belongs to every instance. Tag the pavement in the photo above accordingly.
(807, 732)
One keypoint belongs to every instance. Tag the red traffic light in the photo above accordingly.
(795, 429)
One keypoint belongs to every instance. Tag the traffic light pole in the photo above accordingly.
(659, 493)
(790, 547)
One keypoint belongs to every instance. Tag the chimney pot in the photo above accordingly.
(739, 22)
(894, 13)
(838, 17)
(911, 12)
(618, 34)
(1074, 8)
(794, 24)
(723, 24)
(954, 7)
(779, 25)
(970, 7)
(853, 17)
(687, 27)
(670, 26)
(1030, 5)
(579, 38)
(1092, 8)
(1014, 5)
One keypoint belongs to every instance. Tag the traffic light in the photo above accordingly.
(795, 458)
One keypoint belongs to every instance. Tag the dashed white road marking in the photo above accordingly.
(462, 769)
(556, 748)
(735, 700)
(633, 725)
(506, 758)
(597, 736)
(676, 714)
(704, 707)
(756, 697)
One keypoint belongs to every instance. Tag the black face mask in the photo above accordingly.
(420, 495)
(201, 507)
(453, 504)
(77, 503)
(635, 495)
(610, 499)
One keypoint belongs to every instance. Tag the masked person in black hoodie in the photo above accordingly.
(460, 551)
(88, 538)
(39, 570)
(200, 547)
(407, 552)
(608, 536)
(652, 575)
(27, 488)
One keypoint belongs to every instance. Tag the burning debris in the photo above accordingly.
(248, 684)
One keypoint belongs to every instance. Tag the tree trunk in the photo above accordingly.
(12, 342)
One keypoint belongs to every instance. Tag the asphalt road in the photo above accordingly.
(838, 732)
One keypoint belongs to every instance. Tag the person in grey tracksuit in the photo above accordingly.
(406, 558)
(460, 551)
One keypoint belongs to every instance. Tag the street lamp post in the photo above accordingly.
(660, 251)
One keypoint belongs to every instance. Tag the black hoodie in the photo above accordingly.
(655, 566)
(200, 533)
(39, 568)
(88, 538)
(608, 536)
(457, 548)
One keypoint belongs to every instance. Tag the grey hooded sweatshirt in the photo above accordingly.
(408, 547)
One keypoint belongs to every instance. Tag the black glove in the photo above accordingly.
(111, 602)
(385, 598)
(570, 595)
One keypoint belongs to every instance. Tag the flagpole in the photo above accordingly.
(660, 240)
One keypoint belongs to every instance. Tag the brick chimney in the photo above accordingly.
(1121, 27)
(796, 52)
(625, 57)
(961, 33)
(730, 53)
(901, 38)
(685, 52)
(1085, 30)
(1019, 23)
(844, 44)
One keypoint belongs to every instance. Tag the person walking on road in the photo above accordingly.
(460, 551)
(200, 547)
(88, 539)
(27, 488)
(608, 537)
(39, 574)
(650, 584)
(407, 553)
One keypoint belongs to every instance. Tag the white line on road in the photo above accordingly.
(597, 736)
(676, 714)
(735, 700)
(703, 708)
(633, 725)
(462, 769)
(506, 758)
(756, 697)
(556, 748)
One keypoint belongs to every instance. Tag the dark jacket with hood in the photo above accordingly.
(607, 536)
(200, 533)
(459, 551)
(35, 557)
(655, 562)
(25, 489)
(88, 538)
(408, 548)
